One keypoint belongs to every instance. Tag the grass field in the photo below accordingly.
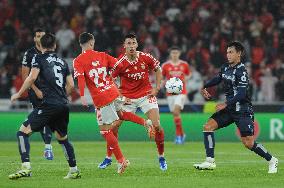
(236, 166)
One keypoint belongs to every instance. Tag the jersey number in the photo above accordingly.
(96, 73)
(58, 75)
(244, 78)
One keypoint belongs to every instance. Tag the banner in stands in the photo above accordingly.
(83, 126)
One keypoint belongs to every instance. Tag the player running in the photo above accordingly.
(175, 67)
(35, 94)
(237, 109)
(133, 70)
(56, 83)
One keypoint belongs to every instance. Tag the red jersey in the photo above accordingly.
(180, 70)
(95, 67)
(134, 75)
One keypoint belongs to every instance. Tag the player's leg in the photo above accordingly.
(149, 106)
(69, 153)
(127, 113)
(146, 123)
(108, 120)
(246, 127)
(153, 115)
(176, 104)
(216, 121)
(178, 124)
(60, 127)
(24, 150)
(32, 124)
(108, 159)
(46, 135)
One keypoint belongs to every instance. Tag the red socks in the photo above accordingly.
(109, 151)
(159, 139)
(112, 145)
(129, 116)
(179, 131)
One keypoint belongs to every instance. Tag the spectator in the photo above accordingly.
(267, 88)
(65, 36)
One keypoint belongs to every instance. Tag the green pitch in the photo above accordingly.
(236, 166)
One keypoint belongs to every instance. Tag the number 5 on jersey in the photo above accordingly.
(57, 72)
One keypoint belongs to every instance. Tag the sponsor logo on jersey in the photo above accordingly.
(228, 77)
(136, 76)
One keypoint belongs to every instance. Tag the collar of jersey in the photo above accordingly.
(49, 52)
(134, 61)
(175, 64)
(39, 52)
(235, 66)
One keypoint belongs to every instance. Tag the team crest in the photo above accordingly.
(95, 63)
(143, 66)
(135, 67)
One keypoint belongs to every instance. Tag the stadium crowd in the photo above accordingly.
(201, 28)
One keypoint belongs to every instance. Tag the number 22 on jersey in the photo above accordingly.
(99, 74)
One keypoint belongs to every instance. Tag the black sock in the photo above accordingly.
(46, 134)
(261, 151)
(209, 143)
(24, 146)
(68, 152)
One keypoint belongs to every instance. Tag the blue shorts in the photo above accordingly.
(244, 120)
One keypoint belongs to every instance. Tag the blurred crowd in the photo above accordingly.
(201, 28)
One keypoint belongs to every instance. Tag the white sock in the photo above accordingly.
(26, 165)
(161, 155)
(210, 159)
(48, 146)
(108, 157)
(73, 169)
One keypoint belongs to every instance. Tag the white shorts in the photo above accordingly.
(108, 114)
(174, 100)
(145, 103)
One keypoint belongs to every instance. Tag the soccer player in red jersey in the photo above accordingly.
(92, 68)
(133, 70)
(175, 67)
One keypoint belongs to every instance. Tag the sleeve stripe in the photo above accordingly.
(118, 62)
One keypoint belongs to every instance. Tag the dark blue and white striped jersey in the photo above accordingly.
(235, 85)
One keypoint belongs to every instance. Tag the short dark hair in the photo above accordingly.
(130, 36)
(85, 37)
(48, 41)
(38, 30)
(174, 48)
(238, 46)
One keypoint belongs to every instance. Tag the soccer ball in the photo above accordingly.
(174, 85)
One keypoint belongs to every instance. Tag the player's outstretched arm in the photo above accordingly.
(27, 83)
(213, 82)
